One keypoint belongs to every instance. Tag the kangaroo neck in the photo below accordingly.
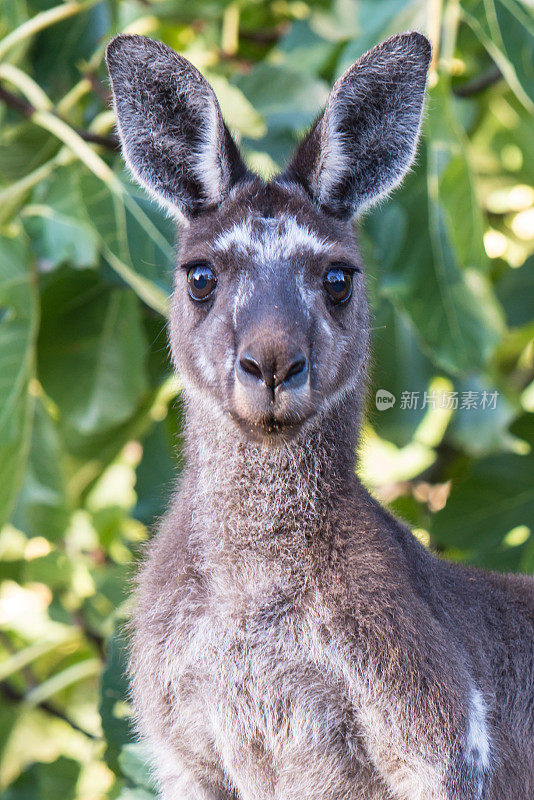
(259, 504)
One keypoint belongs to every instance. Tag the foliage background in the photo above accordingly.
(90, 415)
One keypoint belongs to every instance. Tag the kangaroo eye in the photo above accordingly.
(338, 284)
(201, 281)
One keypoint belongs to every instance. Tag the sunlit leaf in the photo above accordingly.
(239, 114)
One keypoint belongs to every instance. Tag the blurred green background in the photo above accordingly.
(90, 415)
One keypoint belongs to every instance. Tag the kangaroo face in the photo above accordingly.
(269, 316)
(269, 323)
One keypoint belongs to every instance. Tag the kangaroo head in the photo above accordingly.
(269, 323)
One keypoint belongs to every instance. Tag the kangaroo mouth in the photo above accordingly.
(270, 416)
(270, 428)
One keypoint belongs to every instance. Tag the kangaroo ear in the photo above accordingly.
(173, 136)
(365, 140)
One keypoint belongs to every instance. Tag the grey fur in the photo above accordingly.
(173, 136)
(291, 639)
(365, 141)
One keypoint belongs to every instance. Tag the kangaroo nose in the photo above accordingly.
(289, 371)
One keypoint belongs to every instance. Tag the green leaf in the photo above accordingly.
(495, 495)
(55, 570)
(75, 673)
(399, 365)
(57, 225)
(42, 508)
(134, 763)
(46, 781)
(14, 13)
(18, 321)
(91, 351)
(434, 263)
(294, 104)
(135, 239)
(8, 719)
(111, 583)
(113, 698)
(515, 290)
(156, 474)
(482, 428)
(454, 315)
(92, 453)
(18, 327)
(506, 30)
(515, 21)
(239, 114)
(69, 43)
(450, 180)
(136, 794)
(303, 50)
(338, 21)
(23, 148)
(376, 20)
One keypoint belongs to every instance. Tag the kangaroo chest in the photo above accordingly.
(252, 699)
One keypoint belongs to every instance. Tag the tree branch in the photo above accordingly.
(478, 84)
(17, 697)
(26, 109)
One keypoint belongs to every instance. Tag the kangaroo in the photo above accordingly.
(292, 640)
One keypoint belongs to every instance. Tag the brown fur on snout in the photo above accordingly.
(291, 639)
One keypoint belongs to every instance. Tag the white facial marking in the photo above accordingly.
(271, 240)
(205, 367)
(306, 294)
(238, 236)
(244, 292)
(229, 360)
(297, 236)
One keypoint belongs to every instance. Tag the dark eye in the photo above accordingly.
(201, 281)
(338, 284)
